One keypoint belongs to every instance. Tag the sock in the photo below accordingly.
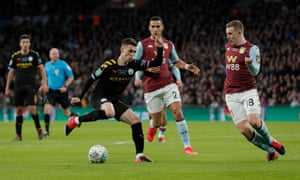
(19, 122)
(93, 116)
(47, 122)
(182, 129)
(139, 155)
(36, 122)
(162, 131)
(264, 132)
(151, 123)
(138, 137)
(260, 142)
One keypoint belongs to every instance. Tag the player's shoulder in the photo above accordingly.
(33, 52)
(48, 63)
(249, 45)
(146, 40)
(228, 45)
(62, 62)
(108, 63)
(16, 53)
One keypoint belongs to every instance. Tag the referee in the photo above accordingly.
(60, 76)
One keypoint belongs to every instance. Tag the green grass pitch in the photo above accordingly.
(223, 153)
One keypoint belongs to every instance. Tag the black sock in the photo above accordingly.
(36, 122)
(19, 122)
(47, 122)
(138, 137)
(93, 116)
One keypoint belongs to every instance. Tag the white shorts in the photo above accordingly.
(167, 95)
(242, 104)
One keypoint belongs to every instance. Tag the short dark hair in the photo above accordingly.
(129, 41)
(155, 18)
(25, 36)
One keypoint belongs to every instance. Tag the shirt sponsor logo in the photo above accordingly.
(231, 59)
(242, 50)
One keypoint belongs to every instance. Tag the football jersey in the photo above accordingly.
(57, 73)
(238, 78)
(146, 50)
(25, 66)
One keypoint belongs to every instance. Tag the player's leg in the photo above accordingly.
(47, 111)
(155, 105)
(182, 127)
(49, 102)
(163, 126)
(19, 99)
(19, 123)
(32, 110)
(253, 110)
(240, 119)
(129, 117)
(173, 101)
(103, 109)
(31, 101)
(63, 100)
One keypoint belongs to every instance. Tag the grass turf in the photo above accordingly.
(223, 153)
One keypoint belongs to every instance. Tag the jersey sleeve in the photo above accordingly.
(139, 51)
(11, 64)
(175, 71)
(254, 54)
(39, 61)
(68, 70)
(138, 75)
(173, 56)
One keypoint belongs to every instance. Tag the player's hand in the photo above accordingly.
(44, 88)
(248, 60)
(138, 83)
(7, 91)
(158, 41)
(75, 100)
(63, 89)
(193, 68)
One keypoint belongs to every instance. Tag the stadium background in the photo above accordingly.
(88, 32)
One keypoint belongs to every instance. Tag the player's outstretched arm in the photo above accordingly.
(190, 67)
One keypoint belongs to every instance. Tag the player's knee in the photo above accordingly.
(255, 121)
(246, 131)
(156, 122)
(32, 111)
(177, 114)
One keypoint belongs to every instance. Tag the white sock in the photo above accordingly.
(139, 155)
(151, 123)
(77, 120)
(162, 132)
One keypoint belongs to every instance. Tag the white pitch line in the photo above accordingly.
(122, 142)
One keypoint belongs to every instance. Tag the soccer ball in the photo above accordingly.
(98, 154)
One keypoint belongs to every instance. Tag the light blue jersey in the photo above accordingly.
(57, 73)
